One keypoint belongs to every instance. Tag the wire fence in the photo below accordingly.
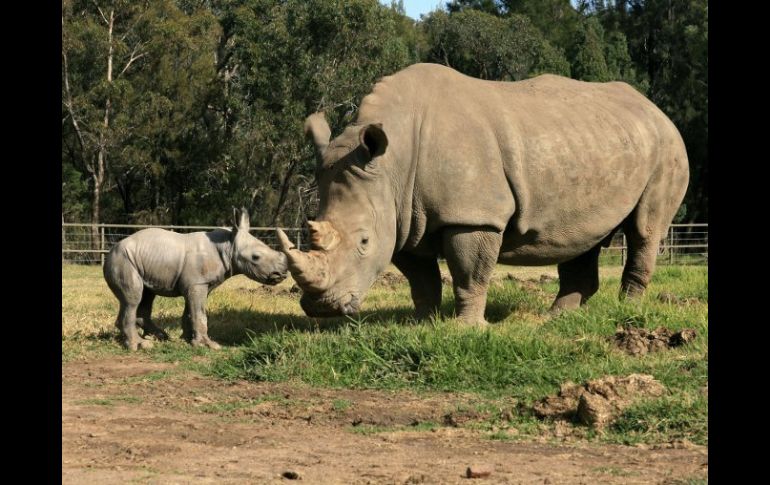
(89, 243)
(683, 244)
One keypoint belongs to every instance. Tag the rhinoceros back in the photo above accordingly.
(158, 256)
(555, 163)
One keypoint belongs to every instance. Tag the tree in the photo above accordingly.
(489, 47)
(284, 61)
(175, 110)
(668, 45)
(589, 63)
(492, 7)
(99, 47)
(135, 78)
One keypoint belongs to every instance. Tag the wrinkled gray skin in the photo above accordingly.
(536, 172)
(158, 262)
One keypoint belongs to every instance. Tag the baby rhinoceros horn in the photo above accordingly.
(310, 270)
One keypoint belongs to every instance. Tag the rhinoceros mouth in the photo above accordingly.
(325, 307)
(276, 277)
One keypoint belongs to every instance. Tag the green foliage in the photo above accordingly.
(489, 47)
(589, 62)
(205, 104)
(210, 115)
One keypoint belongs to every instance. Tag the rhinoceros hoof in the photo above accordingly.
(145, 344)
(206, 343)
(160, 335)
(138, 344)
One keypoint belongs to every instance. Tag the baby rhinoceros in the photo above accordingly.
(158, 262)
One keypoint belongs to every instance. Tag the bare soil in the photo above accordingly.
(126, 419)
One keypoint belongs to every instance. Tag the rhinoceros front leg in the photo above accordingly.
(424, 280)
(578, 281)
(195, 301)
(471, 254)
(187, 329)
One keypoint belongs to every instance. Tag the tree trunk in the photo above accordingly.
(285, 187)
(101, 157)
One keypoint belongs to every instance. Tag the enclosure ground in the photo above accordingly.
(128, 419)
(385, 399)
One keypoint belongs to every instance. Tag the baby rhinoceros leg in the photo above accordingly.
(195, 304)
(127, 286)
(144, 317)
(127, 324)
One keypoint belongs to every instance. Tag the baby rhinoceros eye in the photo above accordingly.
(255, 257)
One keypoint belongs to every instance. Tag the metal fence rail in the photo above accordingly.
(88, 243)
(683, 244)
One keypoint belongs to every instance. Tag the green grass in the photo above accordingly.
(341, 404)
(111, 401)
(615, 471)
(368, 429)
(524, 355)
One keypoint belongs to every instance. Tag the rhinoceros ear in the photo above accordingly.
(374, 139)
(243, 220)
(317, 128)
(236, 217)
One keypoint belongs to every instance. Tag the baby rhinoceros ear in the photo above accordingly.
(243, 221)
(240, 219)
(235, 219)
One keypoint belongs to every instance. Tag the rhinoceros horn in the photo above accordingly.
(310, 270)
(323, 235)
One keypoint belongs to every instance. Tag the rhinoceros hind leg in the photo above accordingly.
(127, 286)
(127, 324)
(424, 280)
(642, 256)
(578, 281)
(471, 254)
(144, 317)
(649, 221)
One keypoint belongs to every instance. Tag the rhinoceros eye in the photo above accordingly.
(255, 257)
(365, 240)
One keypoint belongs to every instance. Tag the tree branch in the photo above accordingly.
(100, 12)
(132, 58)
(69, 103)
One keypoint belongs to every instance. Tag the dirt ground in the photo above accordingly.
(126, 419)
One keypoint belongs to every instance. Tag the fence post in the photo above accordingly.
(63, 239)
(671, 245)
(623, 251)
(101, 245)
(299, 239)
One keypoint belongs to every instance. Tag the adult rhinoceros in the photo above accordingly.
(534, 172)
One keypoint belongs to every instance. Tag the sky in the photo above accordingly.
(416, 7)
